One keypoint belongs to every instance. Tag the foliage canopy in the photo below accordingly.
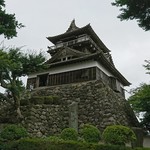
(90, 133)
(13, 65)
(135, 9)
(13, 132)
(118, 135)
(8, 22)
(147, 66)
(140, 101)
(69, 134)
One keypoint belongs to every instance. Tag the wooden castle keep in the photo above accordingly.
(82, 75)
(81, 85)
(78, 55)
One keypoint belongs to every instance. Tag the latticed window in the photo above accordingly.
(72, 76)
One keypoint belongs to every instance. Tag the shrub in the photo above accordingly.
(55, 138)
(118, 135)
(45, 100)
(90, 133)
(51, 100)
(46, 144)
(69, 134)
(13, 132)
(11, 145)
(37, 100)
(142, 148)
(48, 99)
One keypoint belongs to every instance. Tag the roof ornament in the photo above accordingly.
(72, 26)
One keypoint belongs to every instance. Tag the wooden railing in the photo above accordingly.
(73, 42)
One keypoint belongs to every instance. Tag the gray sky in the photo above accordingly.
(129, 44)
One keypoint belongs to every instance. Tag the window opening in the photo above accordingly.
(43, 80)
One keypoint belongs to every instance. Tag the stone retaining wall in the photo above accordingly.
(96, 104)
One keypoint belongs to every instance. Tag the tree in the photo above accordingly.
(8, 23)
(13, 65)
(140, 102)
(135, 9)
(147, 66)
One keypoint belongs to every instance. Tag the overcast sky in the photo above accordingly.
(129, 44)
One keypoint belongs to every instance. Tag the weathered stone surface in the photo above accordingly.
(73, 115)
(97, 104)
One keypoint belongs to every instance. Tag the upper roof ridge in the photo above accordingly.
(72, 26)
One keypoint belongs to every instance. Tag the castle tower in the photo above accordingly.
(78, 55)
(82, 74)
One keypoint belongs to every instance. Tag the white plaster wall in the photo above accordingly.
(103, 69)
(71, 67)
(106, 72)
(75, 66)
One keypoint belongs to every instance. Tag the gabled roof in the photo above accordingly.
(64, 52)
(73, 30)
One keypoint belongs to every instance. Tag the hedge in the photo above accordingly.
(142, 149)
(46, 144)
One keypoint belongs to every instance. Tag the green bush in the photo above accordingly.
(11, 145)
(90, 133)
(55, 138)
(13, 132)
(37, 100)
(51, 100)
(142, 149)
(48, 99)
(45, 100)
(118, 135)
(69, 134)
(46, 144)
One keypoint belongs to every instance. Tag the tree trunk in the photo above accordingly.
(17, 106)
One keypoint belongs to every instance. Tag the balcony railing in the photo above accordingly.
(73, 42)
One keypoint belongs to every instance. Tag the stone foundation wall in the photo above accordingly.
(43, 120)
(96, 104)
